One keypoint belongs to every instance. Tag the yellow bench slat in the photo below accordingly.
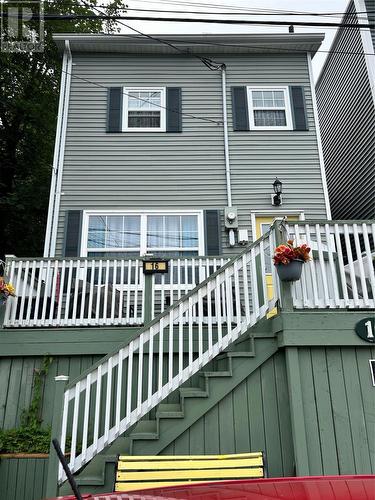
(146, 486)
(189, 457)
(190, 474)
(189, 464)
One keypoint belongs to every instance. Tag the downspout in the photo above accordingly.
(52, 193)
(226, 146)
(61, 152)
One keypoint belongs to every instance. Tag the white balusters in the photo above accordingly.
(82, 292)
(341, 272)
(74, 292)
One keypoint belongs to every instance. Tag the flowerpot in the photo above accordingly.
(291, 271)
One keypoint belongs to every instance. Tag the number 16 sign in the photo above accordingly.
(366, 329)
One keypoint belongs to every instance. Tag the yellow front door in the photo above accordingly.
(262, 225)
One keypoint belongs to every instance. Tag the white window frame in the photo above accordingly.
(126, 91)
(143, 239)
(371, 362)
(287, 108)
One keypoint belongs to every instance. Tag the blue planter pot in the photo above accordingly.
(291, 271)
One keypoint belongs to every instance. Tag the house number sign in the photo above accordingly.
(155, 266)
(366, 329)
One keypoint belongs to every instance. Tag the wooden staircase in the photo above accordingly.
(120, 392)
(169, 420)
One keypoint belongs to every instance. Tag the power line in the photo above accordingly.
(66, 17)
(145, 100)
(96, 84)
(209, 63)
(249, 13)
(217, 65)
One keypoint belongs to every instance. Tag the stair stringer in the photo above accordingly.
(242, 367)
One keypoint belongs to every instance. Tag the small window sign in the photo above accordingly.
(372, 370)
(366, 329)
(155, 266)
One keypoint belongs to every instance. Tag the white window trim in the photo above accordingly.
(125, 110)
(143, 240)
(287, 109)
(270, 213)
(371, 361)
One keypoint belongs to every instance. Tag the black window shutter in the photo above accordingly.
(114, 114)
(240, 109)
(73, 227)
(212, 232)
(297, 97)
(174, 109)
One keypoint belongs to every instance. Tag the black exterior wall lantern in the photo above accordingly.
(277, 189)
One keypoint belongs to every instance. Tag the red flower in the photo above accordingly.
(286, 253)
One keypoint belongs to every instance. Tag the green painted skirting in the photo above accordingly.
(320, 328)
(23, 478)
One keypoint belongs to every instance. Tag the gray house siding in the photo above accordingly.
(347, 122)
(185, 170)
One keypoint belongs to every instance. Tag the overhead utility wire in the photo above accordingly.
(240, 8)
(279, 13)
(191, 115)
(209, 63)
(65, 17)
(145, 100)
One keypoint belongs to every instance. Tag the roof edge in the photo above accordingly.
(212, 43)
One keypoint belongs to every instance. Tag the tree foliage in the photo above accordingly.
(29, 88)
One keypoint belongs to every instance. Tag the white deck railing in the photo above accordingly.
(126, 385)
(110, 292)
(183, 275)
(341, 272)
(94, 292)
(75, 292)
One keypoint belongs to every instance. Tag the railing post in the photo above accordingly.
(286, 297)
(53, 461)
(3, 307)
(148, 298)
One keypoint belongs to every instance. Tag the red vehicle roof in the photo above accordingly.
(285, 488)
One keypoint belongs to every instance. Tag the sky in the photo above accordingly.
(215, 6)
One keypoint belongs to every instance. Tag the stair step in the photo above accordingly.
(192, 392)
(222, 373)
(244, 354)
(145, 429)
(169, 410)
(236, 354)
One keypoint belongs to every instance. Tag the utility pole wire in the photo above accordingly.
(65, 17)
(330, 15)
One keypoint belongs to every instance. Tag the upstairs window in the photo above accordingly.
(269, 108)
(144, 109)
